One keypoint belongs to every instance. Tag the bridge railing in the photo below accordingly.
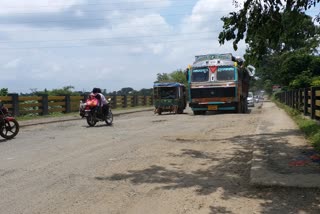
(45, 105)
(306, 100)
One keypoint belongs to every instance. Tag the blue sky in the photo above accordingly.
(108, 44)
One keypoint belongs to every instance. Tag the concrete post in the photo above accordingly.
(15, 104)
(68, 104)
(45, 104)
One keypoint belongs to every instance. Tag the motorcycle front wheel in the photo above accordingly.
(91, 120)
(9, 129)
(109, 118)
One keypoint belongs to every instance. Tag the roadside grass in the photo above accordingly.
(309, 127)
(52, 115)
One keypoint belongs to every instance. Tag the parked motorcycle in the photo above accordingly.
(9, 126)
(93, 113)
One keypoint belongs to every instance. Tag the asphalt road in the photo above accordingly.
(144, 163)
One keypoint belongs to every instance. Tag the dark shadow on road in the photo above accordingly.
(219, 209)
(212, 113)
(3, 140)
(102, 125)
(232, 174)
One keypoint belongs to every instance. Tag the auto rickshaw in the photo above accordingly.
(169, 97)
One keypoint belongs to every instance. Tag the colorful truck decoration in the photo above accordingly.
(218, 82)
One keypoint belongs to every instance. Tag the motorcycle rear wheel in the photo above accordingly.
(9, 129)
(91, 120)
(109, 118)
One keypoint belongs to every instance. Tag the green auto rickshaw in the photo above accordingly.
(169, 97)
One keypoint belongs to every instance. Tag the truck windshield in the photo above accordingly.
(200, 75)
(226, 73)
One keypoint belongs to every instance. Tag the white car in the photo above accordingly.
(250, 99)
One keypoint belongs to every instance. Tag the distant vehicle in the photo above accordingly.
(250, 99)
(169, 97)
(256, 99)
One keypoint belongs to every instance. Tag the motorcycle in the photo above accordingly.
(9, 126)
(93, 113)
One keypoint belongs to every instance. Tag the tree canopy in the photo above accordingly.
(175, 76)
(66, 90)
(270, 25)
(3, 92)
(281, 40)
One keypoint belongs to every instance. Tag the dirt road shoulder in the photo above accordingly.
(282, 156)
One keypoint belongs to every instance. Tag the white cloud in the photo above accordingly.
(18, 6)
(140, 32)
(157, 48)
(12, 64)
(207, 14)
(128, 49)
(205, 20)
(79, 13)
(144, 5)
(136, 24)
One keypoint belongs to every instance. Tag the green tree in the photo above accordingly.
(66, 90)
(281, 40)
(146, 92)
(268, 86)
(268, 24)
(178, 76)
(292, 65)
(291, 69)
(3, 91)
(256, 85)
(175, 76)
(164, 77)
(125, 91)
(315, 81)
(302, 80)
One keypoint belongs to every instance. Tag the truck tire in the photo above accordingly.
(245, 105)
(196, 112)
(180, 111)
(238, 107)
(199, 112)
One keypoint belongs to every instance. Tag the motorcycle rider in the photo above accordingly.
(103, 103)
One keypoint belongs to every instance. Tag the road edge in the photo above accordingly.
(42, 121)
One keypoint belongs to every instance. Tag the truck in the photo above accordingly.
(218, 82)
